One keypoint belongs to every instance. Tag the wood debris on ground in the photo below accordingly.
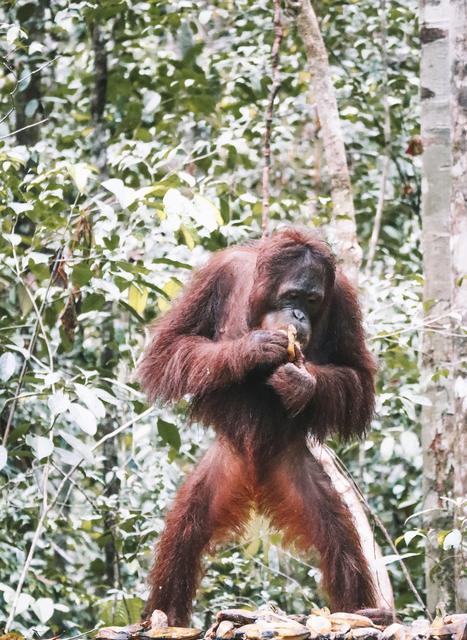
(156, 628)
(267, 623)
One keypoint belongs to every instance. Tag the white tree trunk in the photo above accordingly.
(371, 550)
(444, 190)
(458, 60)
(324, 97)
(437, 419)
(349, 252)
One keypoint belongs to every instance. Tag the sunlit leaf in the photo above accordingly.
(90, 399)
(106, 396)
(410, 443)
(171, 289)
(132, 311)
(3, 456)
(58, 402)
(8, 364)
(80, 173)
(395, 557)
(43, 608)
(22, 603)
(387, 447)
(42, 447)
(205, 213)
(452, 540)
(20, 207)
(126, 196)
(78, 446)
(84, 418)
(410, 535)
(137, 298)
(187, 237)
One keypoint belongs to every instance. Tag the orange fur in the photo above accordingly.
(210, 345)
(213, 503)
(301, 501)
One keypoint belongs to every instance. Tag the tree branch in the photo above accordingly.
(275, 86)
(334, 150)
(343, 469)
(387, 141)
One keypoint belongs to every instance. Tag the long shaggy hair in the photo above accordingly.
(201, 348)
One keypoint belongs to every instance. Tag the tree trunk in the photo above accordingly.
(28, 92)
(371, 549)
(99, 99)
(443, 208)
(108, 356)
(458, 58)
(324, 97)
(348, 249)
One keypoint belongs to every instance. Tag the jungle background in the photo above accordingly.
(131, 146)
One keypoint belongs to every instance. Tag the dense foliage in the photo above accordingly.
(145, 154)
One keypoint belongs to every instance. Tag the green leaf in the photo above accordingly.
(169, 433)
(41, 271)
(132, 311)
(120, 612)
(154, 287)
(173, 263)
(81, 274)
(92, 302)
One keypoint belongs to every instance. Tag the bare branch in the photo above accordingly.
(28, 126)
(387, 141)
(275, 86)
(333, 142)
